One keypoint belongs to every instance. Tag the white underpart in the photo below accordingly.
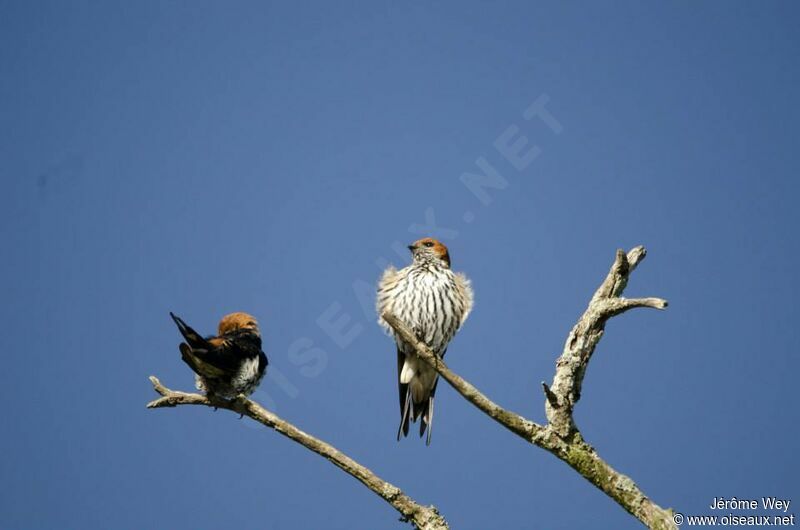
(247, 373)
(422, 378)
(245, 381)
(409, 369)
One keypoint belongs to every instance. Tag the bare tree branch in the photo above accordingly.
(423, 517)
(561, 436)
(582, 340)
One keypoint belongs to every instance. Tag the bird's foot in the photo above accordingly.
(241, 399)
(212, 397)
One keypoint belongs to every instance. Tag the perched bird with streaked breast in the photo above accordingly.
(434, 302)
(228, 364)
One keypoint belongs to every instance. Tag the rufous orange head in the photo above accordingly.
(236, 322)
(429, 249)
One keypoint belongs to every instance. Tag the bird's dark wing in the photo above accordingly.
(224, 355)
(197, 360)
(192, 337)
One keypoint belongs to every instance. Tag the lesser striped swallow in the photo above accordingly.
(230, 363)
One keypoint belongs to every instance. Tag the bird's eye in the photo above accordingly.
(428, 244)
(251, 323)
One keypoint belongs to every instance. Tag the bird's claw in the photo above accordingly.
(241, 399)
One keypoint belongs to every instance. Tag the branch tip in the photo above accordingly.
(635, 256)
(158, 387)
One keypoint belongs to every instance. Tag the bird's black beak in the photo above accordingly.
(411, 248)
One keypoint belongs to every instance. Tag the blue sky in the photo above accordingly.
(203, 158)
